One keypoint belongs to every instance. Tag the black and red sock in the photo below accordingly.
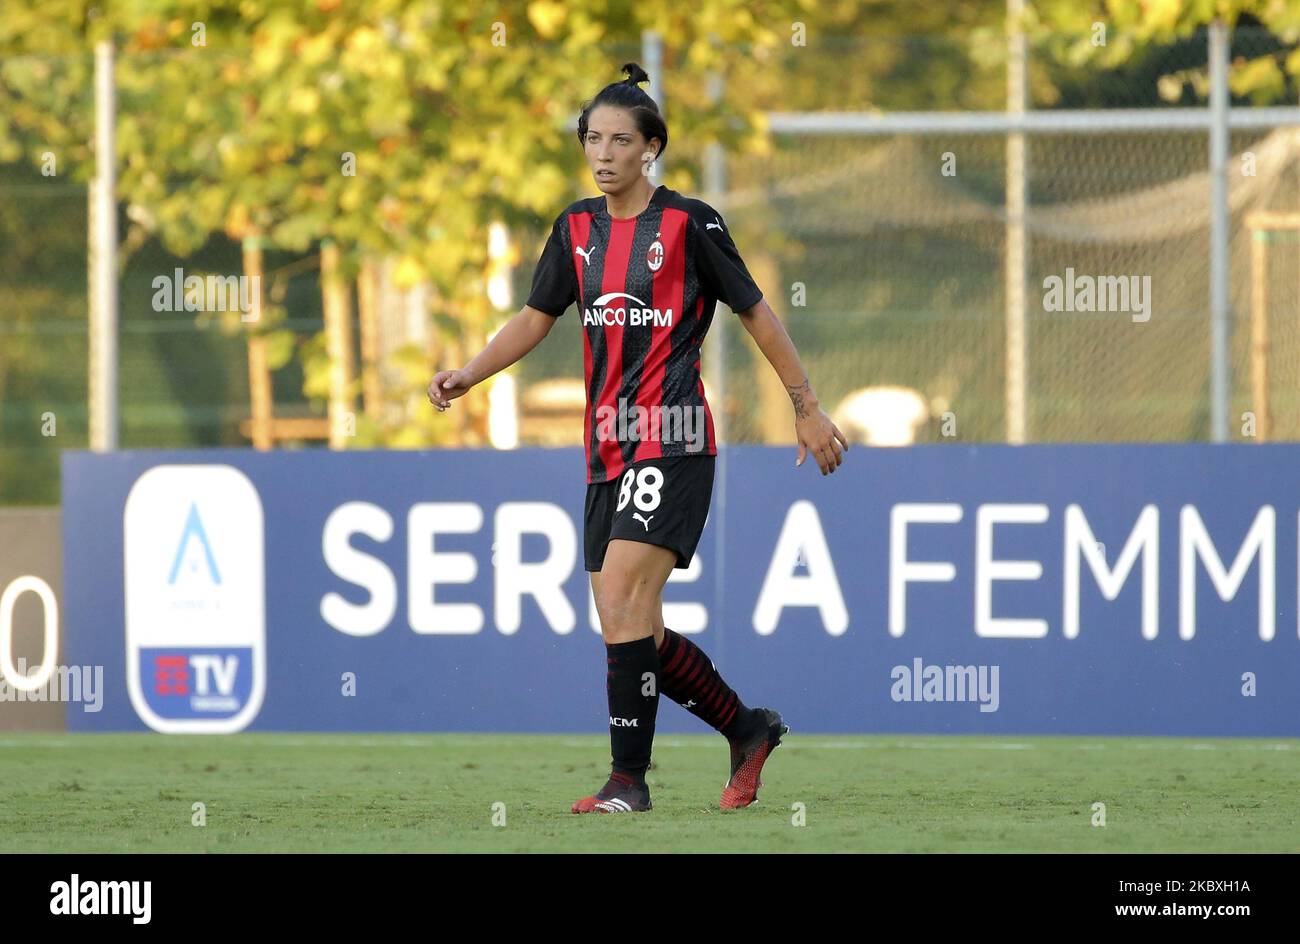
(632, 684)
(687, 676)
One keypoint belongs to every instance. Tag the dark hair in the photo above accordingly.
(628, 94)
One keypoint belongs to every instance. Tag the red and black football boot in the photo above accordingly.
(748, 754)
(620, 794)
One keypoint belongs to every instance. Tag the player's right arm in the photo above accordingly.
(520, 335)
(554, 290)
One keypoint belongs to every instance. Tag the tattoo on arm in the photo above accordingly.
(797, 393)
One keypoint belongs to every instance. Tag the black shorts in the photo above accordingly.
(654, 501)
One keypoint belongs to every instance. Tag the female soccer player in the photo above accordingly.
(646, 266)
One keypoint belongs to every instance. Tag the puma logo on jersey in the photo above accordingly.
(644, 521)
(622, 722)
(585, 253)
(716, 225)
(689, 704)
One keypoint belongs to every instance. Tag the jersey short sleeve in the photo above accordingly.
(718, 260)
(554, 284)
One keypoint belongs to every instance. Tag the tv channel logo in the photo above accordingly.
(193, 538)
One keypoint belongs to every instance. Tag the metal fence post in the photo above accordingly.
(1220, 369)
(103, 261)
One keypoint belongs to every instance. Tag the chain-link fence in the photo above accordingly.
(884, 254)
(903, 272)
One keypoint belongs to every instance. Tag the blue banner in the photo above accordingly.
(1080, 589)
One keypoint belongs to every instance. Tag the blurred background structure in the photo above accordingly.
(388, 172)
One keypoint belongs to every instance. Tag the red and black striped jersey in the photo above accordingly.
(647, 287)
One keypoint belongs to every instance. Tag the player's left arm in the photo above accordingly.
(813, 428)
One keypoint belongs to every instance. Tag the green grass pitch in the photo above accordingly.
(406, 793)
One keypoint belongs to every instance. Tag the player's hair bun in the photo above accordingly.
(635, 74)
(629, 94)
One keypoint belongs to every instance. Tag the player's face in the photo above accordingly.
(615, 149)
